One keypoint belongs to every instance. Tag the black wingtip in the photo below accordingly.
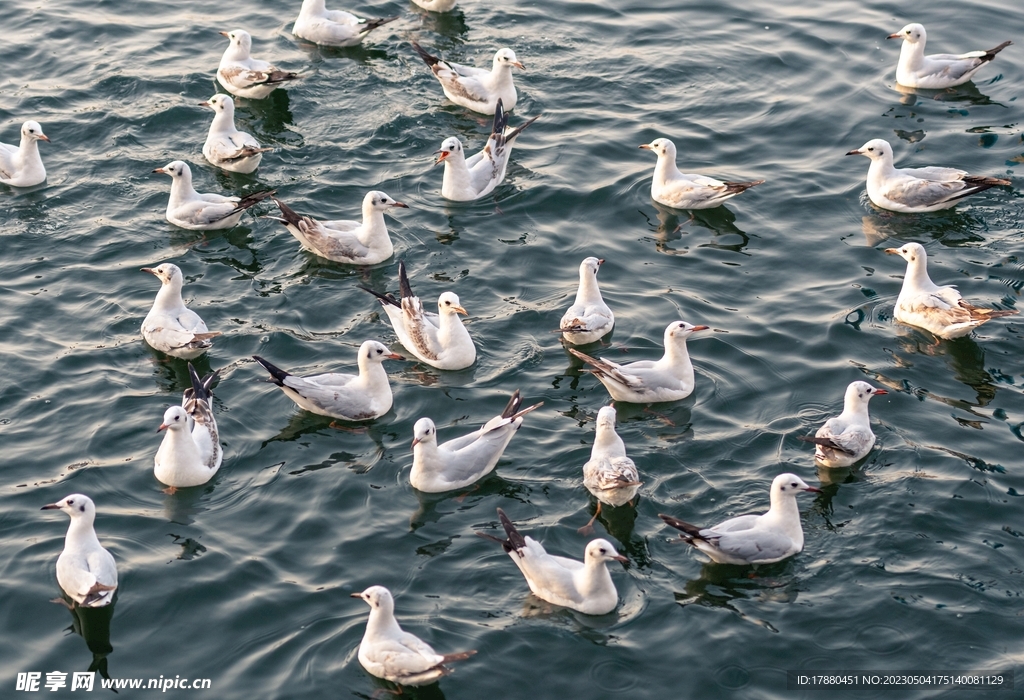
(500, 122)
(519, 129)
(289, 214)
(277, 373)
(515, 540)
(403, 281)
(385, 299)
(689, 529)
(201, 387)
(372, 24)
(427, 58)
(513, 405)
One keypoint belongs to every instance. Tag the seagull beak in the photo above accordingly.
(163, 426)
(394, 356)
(224, 34)
(441, 155)
(148, 269)
(619, 557)
(52, 506)
(897, 35)
(415, 441)
(892, 251)
(519, 65)
(600, 261)
(813, 489)
(204, 104)
(400, 204)
(159, 170)
(355, 595)
(645, 146)
(44, 137)
(855, 153)
(881, 392)
(460, 310)
(700, 328)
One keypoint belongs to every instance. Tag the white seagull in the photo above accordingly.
(847, 438)
(585, 585)
(436, 5)
(21, 165)
(915, 190)
(754, 539)
(363, 242)
(462, 461)
(440, 340)
(85, 570)
(227, 147)
(940, 70)
(333, 27)
(245, 76)
(668, 379)
(588, 319)
(352, 397)
(466, 179)
(941, 310)
(170, 326)
(475, 88)
(681, 191)
(609, 474)
(203, 212)
(190, 453)
(390, 653)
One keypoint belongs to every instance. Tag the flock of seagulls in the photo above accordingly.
(190, 452)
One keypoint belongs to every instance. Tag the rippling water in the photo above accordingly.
(913, 561)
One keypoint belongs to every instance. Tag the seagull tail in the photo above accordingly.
(737, 187)
(403, 281)
(825, 442)
(289, 214)
(457, 656)
(372, 24)
(277, 373)
(991, 53)
(515, 540)
(979, 314)
(281, 76)
(427, 58)
(688, 529)
(249, 200)
(385, 299)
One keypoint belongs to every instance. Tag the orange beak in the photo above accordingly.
(700, 328)
(645, 146)
(897, 35)
(224, 34)
(159, 170)
(854, 153)
(519, 65)
(441, 155)
(394, 356)
(163, 426)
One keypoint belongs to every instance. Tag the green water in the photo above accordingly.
(912, 562)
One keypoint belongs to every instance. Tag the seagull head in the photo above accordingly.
(913, 253)
(423, 431)
(448, 303)
(176, 169)
(874, 149)
(76, 505)
(663, 148)
(175, 418)
(590, 266)
(378, 598)
(378, 201)
(166, 273)
(372, 351)
(240, 40)
(507, 57)
(859, 393)
(912, 34)
(32, 130)
(600, 551)
(451, 147)
(788, 486)
(606, 417)
(679, 331)
(220, 103)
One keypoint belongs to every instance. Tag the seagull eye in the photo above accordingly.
(379, 351)
(71, 502)
(793, 484)
(871, 149)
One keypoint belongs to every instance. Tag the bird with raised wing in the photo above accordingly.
(351, 397)
(85, 569)
(242, 75)
(939, 309)
(681, 191)
(203, 212)
(609, 474)
(649, 381)
(21, 165)
(754, 539)
(847, 438)
(363, 242)
(190, 453)
(333, 27)
(916, 190)
(588, 319)
(170, 326)
(226, 146)
(476, 88)
(940, 70)
(440, 340)
(465, 460)
(390, 653)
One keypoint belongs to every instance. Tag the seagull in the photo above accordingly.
(170, 326)
(227, 147)
(190, 453)
(436, 5)
(440, 340)
(941, 310)
(472, 178)
(389, 653)
(245, 76)
(681, 191)
(847, 438)
(753, 539)
(352, 242)
(352, 397)
(609, 474)
(668, 379)
(203, 212)
(333, 27)
(85, 570)
(940, 70)
(588, 319)
(585, 585)
(475, 88)
(915, 190)
(21, 166)
(462, 461)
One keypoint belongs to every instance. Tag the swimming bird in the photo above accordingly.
(203, 212)
(227, 147)
(85, 570)
(939, 309)
(753, 539)
(363, 242)
(585, 585)
(466, 179)
(681, 191)
(352, 397)
(21, 165)
(589, 318)
(475, 88)
(440, 340)
(245, 76)
(916, 190)
(436, 5)
(668, 379)
(847, 438)
(390, 653)
(190, 453)
(462, 461)
(170, 326)
(940, 70)
(609, 474)
(333, 27)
